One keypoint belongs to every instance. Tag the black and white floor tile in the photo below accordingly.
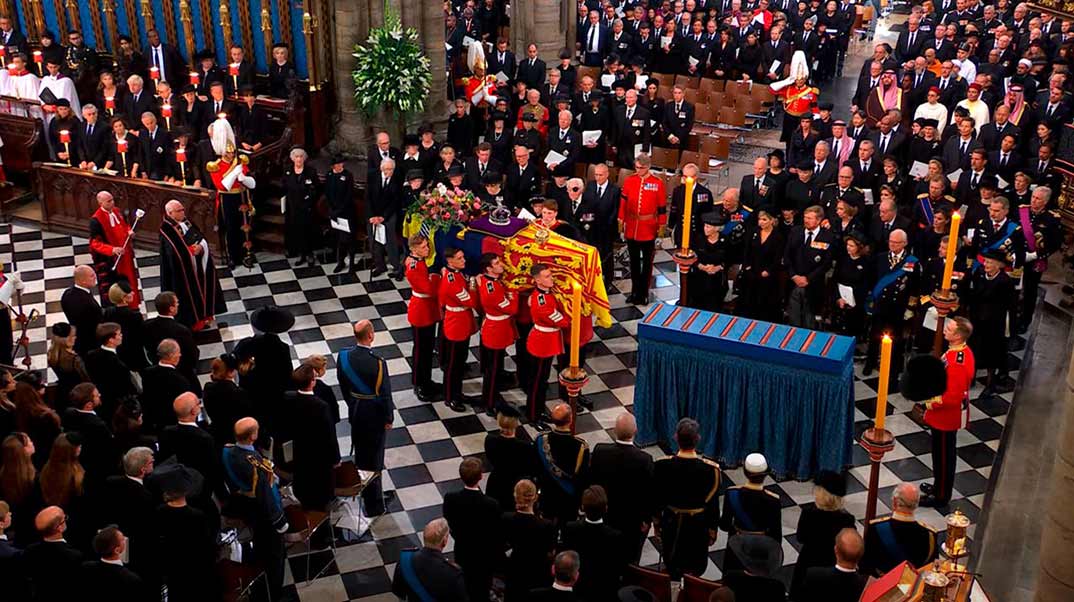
(429, 440)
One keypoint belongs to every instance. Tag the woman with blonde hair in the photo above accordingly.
(510, 457)
(532, 541)
(64, 362)
(818, 525)
(36, 419)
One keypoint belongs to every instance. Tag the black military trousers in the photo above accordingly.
(453, 363)
(537, 389)
(1030, 288)
(230, 220)
(943, 463)
(523, 359)
(641, 266)
(422, 356)
(491, 369)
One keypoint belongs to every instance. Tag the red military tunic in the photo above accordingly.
(798, 101)
(498, 330)
(946, 414)
(643, 207)
(423, 309)
(112, 233)
(546, 338)
(458, 304)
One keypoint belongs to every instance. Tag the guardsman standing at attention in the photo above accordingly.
(563, 459)
(459, 323)
(544, 343)
(750, 509)
(255, 495)
(642, 215)
(498, 329)
(688, 508)
(423, 313)
(944, 412)
(892, 539)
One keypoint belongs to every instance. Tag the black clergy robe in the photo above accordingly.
(191, 277)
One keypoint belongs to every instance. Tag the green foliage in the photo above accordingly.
(391, 73)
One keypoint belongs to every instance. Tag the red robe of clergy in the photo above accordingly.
(107, 232)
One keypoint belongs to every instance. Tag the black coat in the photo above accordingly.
(816, 534)
(124, 502)
(251, 125)
(438, 575)
(102, 580)
(316, 448)
(161, 385)
(131, 322)
(112, 377)
(82, 311)
(98, 455)
(474, 521)
(386, 202)
(194, 447)
(160, 328)
(534, 75)
(92, 147)
(226, 403)
(157, 153)
(626, 473)
(532, 541)
(511, 460)
(53, 568)
(828, 584)
(269, 378)
(601, 548)
(132, 108)
(185, 541)
(522, 185)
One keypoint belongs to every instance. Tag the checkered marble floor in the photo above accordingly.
(429, 440)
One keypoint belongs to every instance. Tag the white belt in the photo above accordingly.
(545, 328)
(453, 308)
(420, 295)
(496, 318)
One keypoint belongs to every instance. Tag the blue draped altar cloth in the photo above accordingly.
(753, 386)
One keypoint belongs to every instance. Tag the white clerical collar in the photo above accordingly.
(163, 365)
(595, 522)
(474, 488)
(629, 443)
(843, 569)
(302, 392)
(107, 348)
(3, 537)
(185, 423)
(563, 588)
(136, 480)
(115, 562)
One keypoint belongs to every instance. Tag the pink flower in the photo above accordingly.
(477, 205)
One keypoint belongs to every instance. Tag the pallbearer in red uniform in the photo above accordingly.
(458, 302)
(108, 242)
(423, 313)
(944, 414)
(642, 215)
(544, 343)
(498, 329)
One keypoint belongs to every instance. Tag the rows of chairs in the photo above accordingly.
(657, 583)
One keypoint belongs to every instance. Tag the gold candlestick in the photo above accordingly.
(307, 31)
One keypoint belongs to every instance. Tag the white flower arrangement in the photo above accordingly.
(391, 73)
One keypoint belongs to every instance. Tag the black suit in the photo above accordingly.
(905, 49)
(161, 385)
(159, 328)
(84, 313)
(896, 145)
(12, 574)
(53, 568)
(750, 195)
(473, 172)
(14, 42)
(589, 57)
(678, 122)
(214, 107)
(438, 576)
(124, 502)
(628, 133)
(991, 134)
(567, 143)
(156, 152)
(828, 584)
(626, 473)
(533, 74)
(878, 232)
(93, 146)
(132, 107)
(98, 452)
(1005, 168)
(102, 580)
(313, 431)
(522, 185)
(245, 77)
(827, 174)
(508, 65)
(112, 377)
(385, 202)
(195, 448)
(602, 233)
(601, 548)
(174, 69)
(548, 594)
(812, 262)
(474, 521)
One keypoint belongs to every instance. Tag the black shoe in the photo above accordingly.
(1016, 343)
(339, 267)
(868, 370)
(456, 406)
(311, 260)
(470, 400)
(429, 394)
(927, 488)
(301, 261)
(1004, 384)
(641, 300)
(377, 272)
(585, 402)
(988, 391)
(931, 501)
(630, 299)
(490, 412)
(398, 276)
(1068, 289)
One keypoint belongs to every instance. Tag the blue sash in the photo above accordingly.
(735, 500)
(730, 225)
(1008, 231)
(406, 565)
(926, 208)
(886, 534)
(887, 280)
(550, 468)
(356, 382)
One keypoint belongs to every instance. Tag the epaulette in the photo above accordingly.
(212, 166)
(879, 520)
(712, 463)
(747, 208)
(949, 198)
(931, 530)
(771, 494)
(584, 443)
(244, 159)
(665, 458)
(835, 184)
(815, 90)
(1054, 213)
(858, 189)
(923, 195)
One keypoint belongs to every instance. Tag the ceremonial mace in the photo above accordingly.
(683, 256)
(22, 319)
(138, 213)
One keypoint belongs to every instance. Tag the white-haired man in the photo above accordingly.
(187, 269)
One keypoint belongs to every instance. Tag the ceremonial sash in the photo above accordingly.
(887, 280)
(734, 498)
(362, 390)
(1009, 229)
(544, 453)
(1031, 237)
(791, 98)
(926, 208)
(891, 545)
(730, 225)
(406, 565)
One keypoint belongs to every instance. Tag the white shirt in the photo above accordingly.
(562, 588)
(115, 562)
(812, 233)
(112, 349)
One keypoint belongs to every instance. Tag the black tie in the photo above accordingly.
(918, 82)
(217, 107)
(592, 38)
(943, 84)
(816, 167)
(1040, 168)
(809, 238)
(757, 183)
(835, 148)
(89, 130)
(385, 185)
(964, 145)
(1003, 160)
(976, 178)
(481, 168)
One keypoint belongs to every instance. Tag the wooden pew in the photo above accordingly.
(21, 136)
(68, 201)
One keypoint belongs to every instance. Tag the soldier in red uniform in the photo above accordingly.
(544, 343)
(108, 241)
(498, 329)
(458, 304)
(423, 313)
(944, 414)
(642, 215)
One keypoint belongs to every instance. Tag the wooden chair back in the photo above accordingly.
(656, 583)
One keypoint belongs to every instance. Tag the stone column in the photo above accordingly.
(353, 21)
(1055, 581)
(547, 23)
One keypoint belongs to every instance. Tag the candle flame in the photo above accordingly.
(887, 338)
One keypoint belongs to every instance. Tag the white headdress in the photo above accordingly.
(223, 137)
